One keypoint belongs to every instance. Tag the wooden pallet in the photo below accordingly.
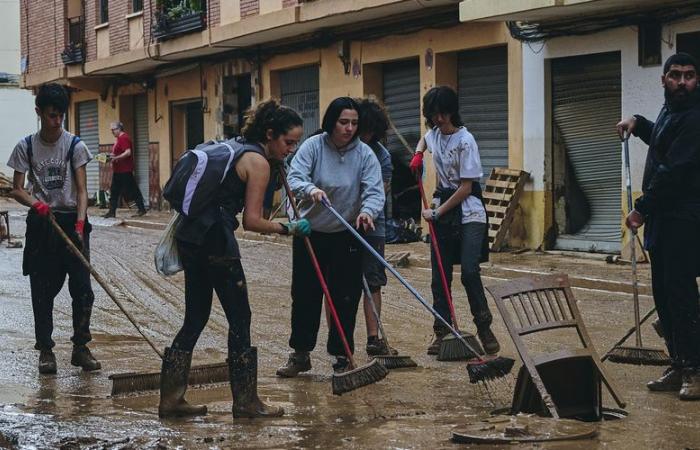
(501, 195)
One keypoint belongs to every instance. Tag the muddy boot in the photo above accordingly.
(670, 381)
(341, 365)
(297, 362)
(434, 347)
(109, 215)
(488, 340)
(656, 325)
(379, 347)
(47, 362)
(173, 384)
(690, 390)
(82, 357)
(243, 372)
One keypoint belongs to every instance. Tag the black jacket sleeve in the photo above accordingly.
(643, 128)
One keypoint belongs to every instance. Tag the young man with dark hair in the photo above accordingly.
(122, 159)
(670, 209)
(53, 160)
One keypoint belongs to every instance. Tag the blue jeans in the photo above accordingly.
(460, 245)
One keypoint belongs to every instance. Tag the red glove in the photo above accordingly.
(416, 164)
(41, 208)
(80, 227)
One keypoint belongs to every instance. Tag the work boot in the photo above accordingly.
(379, 347)
(434, 347)
(173, 384)
(47, 362)
(341, 365)
(109, 215)
(488, 340)
(670, 381)
(243, 373)
(690, 390)
(297, 362)
(140, 213)
(82, 357)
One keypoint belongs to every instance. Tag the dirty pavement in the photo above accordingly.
(409, 409)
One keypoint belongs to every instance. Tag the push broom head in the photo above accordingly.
(483, 370)
(127, 383)
(639, 356)
(358, 377)
(395, 361)
(452, 349)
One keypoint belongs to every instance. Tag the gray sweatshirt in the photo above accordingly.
(352, 181)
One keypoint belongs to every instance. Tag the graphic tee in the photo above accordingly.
(456, 157)
(123, 144)
(56, 186)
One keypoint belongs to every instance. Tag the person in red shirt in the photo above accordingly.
(122, 159)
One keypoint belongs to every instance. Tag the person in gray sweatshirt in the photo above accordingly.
(334, 165)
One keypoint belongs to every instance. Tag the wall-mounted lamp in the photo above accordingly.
(344, 55)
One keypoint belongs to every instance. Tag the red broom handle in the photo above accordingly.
(319, 273)
(436, 248)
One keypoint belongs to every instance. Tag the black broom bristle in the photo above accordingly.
(452, 349)
(395, 361)
(125, 383)
(639, 356)
(358, 377)
(490, 369)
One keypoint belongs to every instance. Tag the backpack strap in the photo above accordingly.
(69, 158)
(30, 158)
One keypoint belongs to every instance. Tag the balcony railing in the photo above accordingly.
(74, 52)
(176, 17)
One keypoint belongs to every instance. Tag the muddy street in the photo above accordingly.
(409, 409)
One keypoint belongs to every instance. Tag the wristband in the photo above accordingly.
(80, 227)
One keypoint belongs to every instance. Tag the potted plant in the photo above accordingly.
(174, 17)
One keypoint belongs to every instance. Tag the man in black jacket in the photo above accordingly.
(670, 208)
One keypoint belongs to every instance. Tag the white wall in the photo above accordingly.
(641, 88)
(9, 36)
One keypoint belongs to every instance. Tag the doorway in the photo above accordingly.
(186, 127)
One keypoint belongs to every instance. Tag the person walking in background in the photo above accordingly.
(123, 181)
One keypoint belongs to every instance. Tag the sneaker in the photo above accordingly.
(379, 347)
(341, 364)
(140, 213)
(82, 357)
(109, 215)
(488, 341)
(690, 390)
(47, 362)
(670, 381)
(297, 362)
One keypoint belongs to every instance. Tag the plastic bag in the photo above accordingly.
(166, 258)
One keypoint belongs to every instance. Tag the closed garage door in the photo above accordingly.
(483, 102)
(299, 90)
(141, 155)
(586, 105)
(88, 130)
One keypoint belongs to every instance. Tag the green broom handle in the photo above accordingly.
(398, 276)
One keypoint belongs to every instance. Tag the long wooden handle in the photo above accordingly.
(101, 281)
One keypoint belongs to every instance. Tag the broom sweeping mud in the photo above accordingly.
(388, 361)
(637, 354)
(357, 376)
(478, 368)
(450, 348)
(135, 382)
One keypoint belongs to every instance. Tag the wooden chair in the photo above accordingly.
(537, 304)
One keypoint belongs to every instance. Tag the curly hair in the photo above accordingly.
(373, 118)
(269, 115)
(441, 100)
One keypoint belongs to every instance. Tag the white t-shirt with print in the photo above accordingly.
(456, 157)
(55, 178)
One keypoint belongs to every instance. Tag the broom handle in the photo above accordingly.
(633, 247)
(436, 249)
(398, 276)
(319, 273)
(629, 333)
(100, 281)
(370, 299)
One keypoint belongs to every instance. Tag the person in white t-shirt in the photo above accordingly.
(457, 211)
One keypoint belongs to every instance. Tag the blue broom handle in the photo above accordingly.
(391, 269)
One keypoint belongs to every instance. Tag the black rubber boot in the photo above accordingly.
(488, 340)
(173, 384)
(670, 381)
(243, 372)
(297, 362)
(82, 357)
(47, 362)
(690, 390)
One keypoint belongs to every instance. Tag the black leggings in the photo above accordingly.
(204, 274)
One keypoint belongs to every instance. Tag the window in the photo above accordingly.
(136, 6)
(102, 11)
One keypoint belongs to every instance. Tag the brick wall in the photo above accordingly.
(46, 38)
(118, 26)
(90, 34)
(214, 17)
(250, 8)
(288, 3)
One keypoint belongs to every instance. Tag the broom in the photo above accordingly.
(357, 376)
(450, 348)
(479, 369)
(388, 361)
(637, 354)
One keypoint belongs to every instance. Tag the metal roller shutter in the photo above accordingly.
(299, 90)
(141, 156)
(483, 102)
(89, 132)
(401, 85)
(586, 104)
